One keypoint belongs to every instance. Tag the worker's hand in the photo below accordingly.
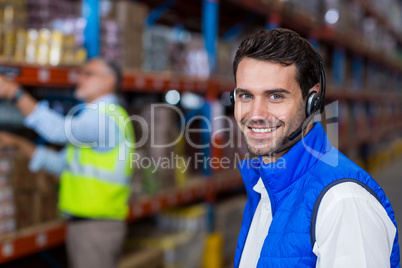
(8, 140)
(7, 88)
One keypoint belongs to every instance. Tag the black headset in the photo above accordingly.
(313, 104)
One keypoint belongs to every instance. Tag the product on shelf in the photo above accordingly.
(41, 32)
(156, 40)
(42, 13)
(311, 8)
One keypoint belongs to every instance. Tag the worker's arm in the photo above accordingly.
(353, 229)
(90, 127)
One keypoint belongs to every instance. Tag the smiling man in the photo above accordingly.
(317, 208)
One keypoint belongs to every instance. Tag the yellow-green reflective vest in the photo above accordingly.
(96, 184)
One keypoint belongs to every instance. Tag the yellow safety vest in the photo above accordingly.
(96, 184)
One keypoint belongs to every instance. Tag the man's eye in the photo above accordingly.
(245, 96)
(276, 96)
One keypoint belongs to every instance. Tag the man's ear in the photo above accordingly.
(316, 88)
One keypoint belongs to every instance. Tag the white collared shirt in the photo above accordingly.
(352, 229)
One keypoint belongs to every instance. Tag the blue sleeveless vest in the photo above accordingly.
(294, 184)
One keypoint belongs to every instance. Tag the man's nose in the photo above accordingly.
(259, 108)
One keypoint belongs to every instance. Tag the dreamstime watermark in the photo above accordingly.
(110, 129)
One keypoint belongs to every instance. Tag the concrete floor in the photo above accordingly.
(390, 179)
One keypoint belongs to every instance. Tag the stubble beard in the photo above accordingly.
(279, 143)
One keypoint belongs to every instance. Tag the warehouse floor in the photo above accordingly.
(390, 179)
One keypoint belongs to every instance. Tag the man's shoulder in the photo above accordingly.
(336, 165)
(340, 169)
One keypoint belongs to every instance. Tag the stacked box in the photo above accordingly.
(133, 36)
(7, 205)
(111, 45)
(122, 32)
(28, 198)
(163, 131)
(35, 194)
(197, 58)
(155, 161)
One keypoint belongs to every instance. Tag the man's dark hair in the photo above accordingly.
(284, 47)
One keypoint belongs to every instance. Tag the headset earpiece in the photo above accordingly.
(313, 103)
(233, 97)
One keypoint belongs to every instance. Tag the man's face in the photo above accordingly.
(269, 106)
(95, 80)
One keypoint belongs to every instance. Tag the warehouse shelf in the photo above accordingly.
(369, 137)
(383, 21)
(372, 96)
(155, 82)
(34, 75)
(306, 24)
(38, 238)
(159, 83)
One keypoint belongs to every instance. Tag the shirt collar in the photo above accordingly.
(259, 187)
(107, 99)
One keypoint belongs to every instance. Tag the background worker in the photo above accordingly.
(308, 205)
(94, 166)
